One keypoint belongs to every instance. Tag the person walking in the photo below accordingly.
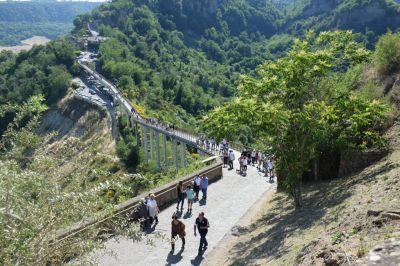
(204, 186)
(177, 230)
(225, 157)
(196, 186)
(253, 157)
(189, 194)
(181, 195)
(270, 169)
(152, 208)
(142, 213)
(241, 164)
(202, 226)
(231, 158)
(245, 162)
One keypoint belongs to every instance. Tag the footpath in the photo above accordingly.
(228, 200)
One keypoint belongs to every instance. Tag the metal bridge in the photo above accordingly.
(151, 133)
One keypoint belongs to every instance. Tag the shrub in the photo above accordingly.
(387, 53)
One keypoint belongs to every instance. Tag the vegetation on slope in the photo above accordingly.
(42, 70)
(304, 105)
(190, 54)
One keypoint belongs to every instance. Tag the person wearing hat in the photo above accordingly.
(177, 230)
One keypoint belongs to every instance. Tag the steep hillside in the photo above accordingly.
(82, 133)
(371, 18)
(190, 53)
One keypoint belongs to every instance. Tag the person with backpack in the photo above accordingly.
(202, 226)
(189, 194)
(177, 230)
(181, 195)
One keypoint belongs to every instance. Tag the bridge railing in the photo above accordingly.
(178, 132)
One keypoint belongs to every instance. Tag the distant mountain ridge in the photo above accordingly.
(375, 16)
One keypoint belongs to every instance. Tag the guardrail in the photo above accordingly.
(165, 196)
(180, 135)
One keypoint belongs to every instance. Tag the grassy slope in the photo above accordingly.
(333, 223)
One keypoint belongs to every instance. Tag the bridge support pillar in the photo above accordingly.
(175, 155)
(183, 154)
(158, 150)
(151, 144)
(165, 152)
(144, 141)
(143, 135)
(136, 134)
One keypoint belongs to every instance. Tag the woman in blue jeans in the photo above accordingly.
(181, 195)
(204, 186)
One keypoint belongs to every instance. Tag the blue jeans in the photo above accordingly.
(204, 191)
(203, 242)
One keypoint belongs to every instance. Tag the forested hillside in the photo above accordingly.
(191, 53)
(369, 18)
(21, 20)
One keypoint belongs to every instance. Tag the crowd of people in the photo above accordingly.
(148, 211)
(191, 192)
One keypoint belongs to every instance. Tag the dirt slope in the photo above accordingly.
(82, 133)
(340, 222)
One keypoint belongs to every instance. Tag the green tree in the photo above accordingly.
(287, 109)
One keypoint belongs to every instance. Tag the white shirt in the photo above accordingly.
(152, 203)
(197, 181)
(231, 156)
(244, 162)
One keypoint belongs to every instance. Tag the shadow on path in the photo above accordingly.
(196, 261)
(174, 258)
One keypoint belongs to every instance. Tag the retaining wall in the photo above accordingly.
(165, 196)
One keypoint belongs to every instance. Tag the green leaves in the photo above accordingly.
(295, 108)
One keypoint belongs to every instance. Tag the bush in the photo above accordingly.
(129, 153)
(387, 53)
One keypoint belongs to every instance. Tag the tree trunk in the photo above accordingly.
(315, 162)
(298, 201)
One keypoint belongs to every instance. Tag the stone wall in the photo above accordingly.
(356, 161)
(165, 196)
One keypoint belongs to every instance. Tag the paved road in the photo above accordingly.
(228, 200)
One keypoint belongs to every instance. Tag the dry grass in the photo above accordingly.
(332, 225)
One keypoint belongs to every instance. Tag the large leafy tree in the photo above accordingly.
(290, 109)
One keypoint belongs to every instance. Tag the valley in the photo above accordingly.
(26, 44)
